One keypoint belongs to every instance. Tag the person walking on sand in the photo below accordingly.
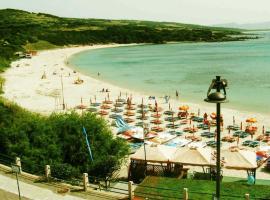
(167, 98)
(98, 74)
(176, 94)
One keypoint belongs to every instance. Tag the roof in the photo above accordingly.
(157, 153)
(239, 159)
(194, 156)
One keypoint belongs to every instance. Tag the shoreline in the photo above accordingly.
(25, 87)
(44, 94)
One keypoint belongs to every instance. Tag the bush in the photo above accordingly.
(58, 140)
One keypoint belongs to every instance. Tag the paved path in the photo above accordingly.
(31, 191)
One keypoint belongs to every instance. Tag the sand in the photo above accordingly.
(25, 86)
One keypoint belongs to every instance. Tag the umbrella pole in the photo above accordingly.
(145, 162)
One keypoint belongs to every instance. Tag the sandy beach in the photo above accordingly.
(25, 86)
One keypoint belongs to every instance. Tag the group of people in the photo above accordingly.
(105, 90)
(166, 97)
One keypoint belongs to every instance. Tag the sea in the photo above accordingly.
(187, 68)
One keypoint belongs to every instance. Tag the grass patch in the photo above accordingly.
(40, 45)
(171, 188)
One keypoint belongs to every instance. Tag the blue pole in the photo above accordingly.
(88, 145)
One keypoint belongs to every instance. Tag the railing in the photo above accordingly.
(127, 189)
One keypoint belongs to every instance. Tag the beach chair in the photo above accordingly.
(122, 125)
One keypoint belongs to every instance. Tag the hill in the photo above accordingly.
(20, 30)
(249, 26)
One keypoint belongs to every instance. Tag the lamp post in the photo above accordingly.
(217, 97)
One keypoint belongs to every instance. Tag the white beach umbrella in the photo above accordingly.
(156, 153)
(194, 156)
(239, 159)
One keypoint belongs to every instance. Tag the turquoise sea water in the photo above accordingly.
(188, 68)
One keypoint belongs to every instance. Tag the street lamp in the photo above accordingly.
(217, 97)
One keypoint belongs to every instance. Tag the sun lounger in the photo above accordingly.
(123, 126)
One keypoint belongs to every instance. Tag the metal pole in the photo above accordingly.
(218, 154)
(18, 186)
(218, 145)
(62, 87)
(144, 138)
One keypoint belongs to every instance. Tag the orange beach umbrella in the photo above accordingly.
(184, 107)
(251, 120)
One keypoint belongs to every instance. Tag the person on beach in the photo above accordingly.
(103, 90)
(98, 74)
(167, 98)
(205, 118)
(176, 94)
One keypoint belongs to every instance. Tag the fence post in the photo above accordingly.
(18, 163)
(47, 172)
(185, 194)
(85, 181)
(247, 197)
(130, 190)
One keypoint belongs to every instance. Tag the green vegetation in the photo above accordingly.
(40, 45)
(21, 30)
(151, 187)
(58, 140)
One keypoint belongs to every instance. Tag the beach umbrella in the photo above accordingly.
(107, 101)
(194, 156)
(103, 112)
(95, 104)
(251, 120)
(156, 121)
(105, 107)
(184, 108)
(129, 120)
(92, 109)
(81, 106)
(213, 115)
(239, 159)
(154, 153)
(129, 113)
(157, 129)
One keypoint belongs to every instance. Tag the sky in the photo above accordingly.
(205, 12)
